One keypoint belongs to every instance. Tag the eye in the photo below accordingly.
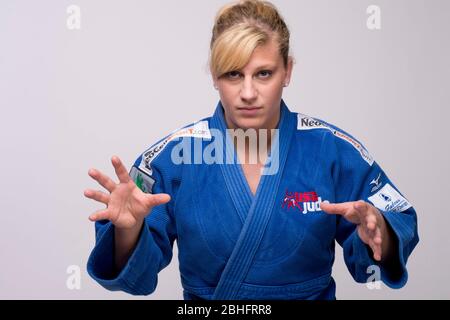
(233, 75)
(264, 74)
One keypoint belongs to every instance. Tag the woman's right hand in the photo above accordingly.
(126, 204)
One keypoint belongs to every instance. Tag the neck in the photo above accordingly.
(253, 147)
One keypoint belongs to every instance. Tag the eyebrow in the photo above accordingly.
(262, 67)
(267, 66)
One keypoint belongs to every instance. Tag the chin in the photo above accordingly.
(250, 123)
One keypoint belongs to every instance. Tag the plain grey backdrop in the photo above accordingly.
(136, 70)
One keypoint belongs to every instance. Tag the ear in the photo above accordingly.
(290, 66)
(214, 80)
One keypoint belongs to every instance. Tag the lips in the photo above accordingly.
(250, 108)
(250, 112)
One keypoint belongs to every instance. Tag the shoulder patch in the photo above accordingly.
(197, 130)
(142, 180)
(388, 199)
(308, 123)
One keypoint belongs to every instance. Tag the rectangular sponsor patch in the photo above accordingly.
(307, 123)
(389, 199)
(142, 180)
(197, 130)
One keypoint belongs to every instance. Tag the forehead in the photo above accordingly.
(267, 55)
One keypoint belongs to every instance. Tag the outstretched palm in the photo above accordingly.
(371, 226)
(126, 204)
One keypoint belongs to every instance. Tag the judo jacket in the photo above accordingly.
(276, 244)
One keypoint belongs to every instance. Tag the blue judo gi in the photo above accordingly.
(276, 244)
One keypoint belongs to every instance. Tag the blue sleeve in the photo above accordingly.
(361, 178)
(152, 253)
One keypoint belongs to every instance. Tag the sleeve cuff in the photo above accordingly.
(394, 279)
(141, 264)
(403, 233)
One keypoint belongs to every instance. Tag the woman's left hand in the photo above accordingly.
(371, 226)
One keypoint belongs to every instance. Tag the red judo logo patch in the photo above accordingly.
(303, 201)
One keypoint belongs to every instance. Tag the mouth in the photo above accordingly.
(249, 108)
(249, 111)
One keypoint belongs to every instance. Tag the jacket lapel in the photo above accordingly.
(254, 211)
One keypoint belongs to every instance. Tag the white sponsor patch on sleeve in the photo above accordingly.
(308, 123)
(197, 130)
(389, 199)
(142, 180)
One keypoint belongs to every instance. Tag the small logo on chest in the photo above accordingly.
(305, 202)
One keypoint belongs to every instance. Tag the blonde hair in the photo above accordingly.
(241, 27)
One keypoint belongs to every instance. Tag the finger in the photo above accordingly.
(362, 207)
(100, 215)
(103, 179)
(370, 215)
(346, 209)
(120, 169)
(376, 242)
(367, 211)
(97, 196)
(378, 239)
(376, 252)
(369, 239)
(335, 208)
(371, 221)
(157, 199)
(369, 227)
(375, 249)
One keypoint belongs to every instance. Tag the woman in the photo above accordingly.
(261, 229)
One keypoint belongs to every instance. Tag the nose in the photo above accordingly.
(248, 90)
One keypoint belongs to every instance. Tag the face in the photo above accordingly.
(251, 96)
